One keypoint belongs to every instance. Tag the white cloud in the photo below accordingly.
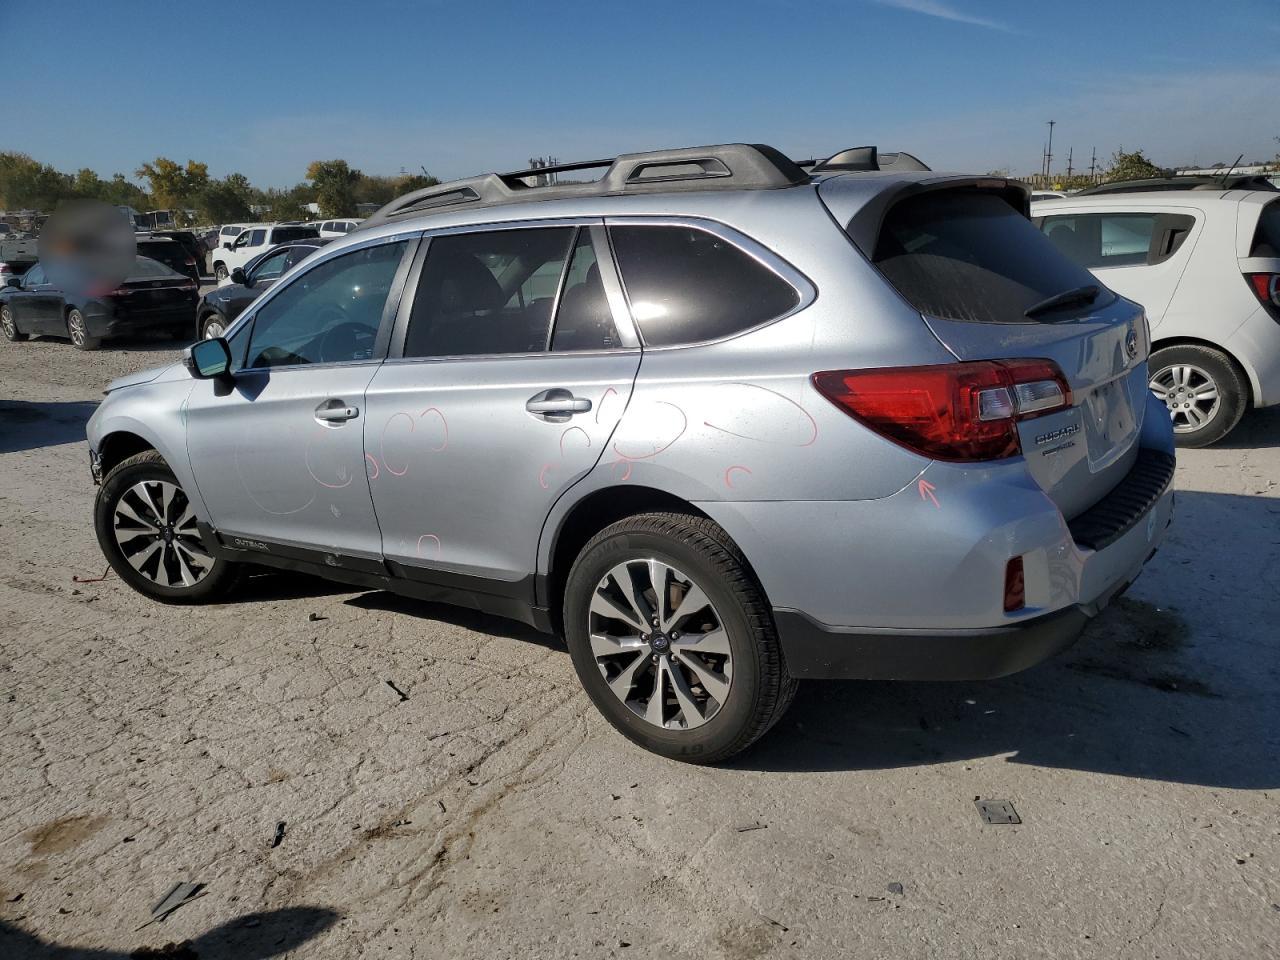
(944, 11)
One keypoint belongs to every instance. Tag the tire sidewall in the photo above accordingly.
(212, 318)
(113, 487)
(1228, 381)
(726, 728)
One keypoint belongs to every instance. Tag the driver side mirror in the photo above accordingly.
(209, 359)
(237, 276)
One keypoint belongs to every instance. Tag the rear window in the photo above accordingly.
(687, 285)
(144, 268)
(285, 234)
(965, 255)
(166, 251)
(1266, 239)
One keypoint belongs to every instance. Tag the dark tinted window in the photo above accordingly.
(963, 255)
(285, 234)
(487, 293)
(584, 320)
(687, 285)
(329, 314)
(144, 268)
(299, 252)
(1266, 239)
(1117, 239)
(34, 276)
(166, 251)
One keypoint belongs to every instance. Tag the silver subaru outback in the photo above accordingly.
(722, 420)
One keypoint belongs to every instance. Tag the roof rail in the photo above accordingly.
(863, 158)
(732, 166)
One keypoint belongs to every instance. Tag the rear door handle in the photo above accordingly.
(556, 404)
(336, 411)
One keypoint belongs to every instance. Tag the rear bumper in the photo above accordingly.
(169, 321)
(814, 651)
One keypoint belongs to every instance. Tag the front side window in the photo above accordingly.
(34, 277)
(487, 293)
(687, 285)
(272, 266)
(330, 313)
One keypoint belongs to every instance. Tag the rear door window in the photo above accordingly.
(968, 255)
(687, 285)
(1101, 240)
(1266, 238)
(487, 293)
(584, 319)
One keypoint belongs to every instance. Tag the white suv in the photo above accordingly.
(253, 240)
(1206, 265)
(335, 228)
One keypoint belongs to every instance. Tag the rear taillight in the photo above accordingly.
(1266, 286)
(951, 411)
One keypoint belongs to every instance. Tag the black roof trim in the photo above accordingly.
(732, 166)
(856, 159)
(1225, 181)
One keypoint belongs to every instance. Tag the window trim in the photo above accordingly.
(389, 310)
(608, 274)
(806, 292)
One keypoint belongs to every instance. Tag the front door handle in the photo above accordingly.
(336, 411)
(556, 404)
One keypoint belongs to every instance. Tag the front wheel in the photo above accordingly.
(1203, 390)
(9, 326)
(212, 327)
(220, 272)
(673, 639)
(78, 331)
(146, 527)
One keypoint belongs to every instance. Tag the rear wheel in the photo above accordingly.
(673, 639)
(78, 331)
(9, 326)
(146, 527)
(1204, 391)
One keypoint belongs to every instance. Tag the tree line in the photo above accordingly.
(27, 184)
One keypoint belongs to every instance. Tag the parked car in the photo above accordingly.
(1206, 265)
(1046, 195)
(1227, 181)
(253, 241)
(189, 242)
(10, 272)
(335, 228)
(724, 423)
(18, 251)
(221, 305)
(154, 299)
(169, 252)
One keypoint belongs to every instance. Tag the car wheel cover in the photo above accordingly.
(660, 644)
(214, 328)
(155, 529)
(1189, 393)
(75, 327)
(6, 321)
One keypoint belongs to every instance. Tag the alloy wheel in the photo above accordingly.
(1190, 395)
(660, 644)
(6, 321)
(155, 528)
(75, 327)
(214, 329)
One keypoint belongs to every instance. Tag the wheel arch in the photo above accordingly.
(587, 517)
(116, 447)
(1250, 376)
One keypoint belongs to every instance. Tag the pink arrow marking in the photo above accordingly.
(926, 491)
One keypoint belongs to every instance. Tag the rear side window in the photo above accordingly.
(488, 293)
(1099, 240)
(1266, 239)
(687, 285)
(966, 255)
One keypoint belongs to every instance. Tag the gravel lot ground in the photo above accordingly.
(492, 813)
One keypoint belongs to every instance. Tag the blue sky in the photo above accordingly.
(262, 88)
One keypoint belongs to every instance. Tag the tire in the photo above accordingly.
(220, 272)
(734, 627)
(1205, 392)
(180, 556)
(78, 331)
(210, 319)
(9, 325)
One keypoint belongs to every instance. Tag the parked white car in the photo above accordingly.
(335, 228)
(253, 240)
(1206, 266)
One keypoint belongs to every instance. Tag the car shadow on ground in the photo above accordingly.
(253, 937)
(30, 425)
(458, 616)
(1144, 693)
(1259, 429)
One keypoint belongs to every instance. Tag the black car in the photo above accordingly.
(189, 241)
(171, 253)
(221, 305)
(152, 299)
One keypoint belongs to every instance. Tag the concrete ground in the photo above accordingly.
(490, 812)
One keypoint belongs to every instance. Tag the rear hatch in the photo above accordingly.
(985, 279)
(153, 288)
(1259, 252)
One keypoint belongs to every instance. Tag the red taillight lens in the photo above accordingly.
(1015, 586)
(1266, 286)
(951, 411)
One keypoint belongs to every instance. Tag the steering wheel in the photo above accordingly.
(345, 341)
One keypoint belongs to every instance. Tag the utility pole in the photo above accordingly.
(1070, 153)
(1048, 150)
(1093, 163)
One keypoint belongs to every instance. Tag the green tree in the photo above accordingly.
(28, 185)
(173, 186)
(225, 200)
(123, 192)
(1131, 166)
(88, 184)
(334, 184)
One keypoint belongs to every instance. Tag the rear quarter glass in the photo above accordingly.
(1266, 238)
(968, 255)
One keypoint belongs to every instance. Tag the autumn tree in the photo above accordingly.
(1131, 166)
(173, 186)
